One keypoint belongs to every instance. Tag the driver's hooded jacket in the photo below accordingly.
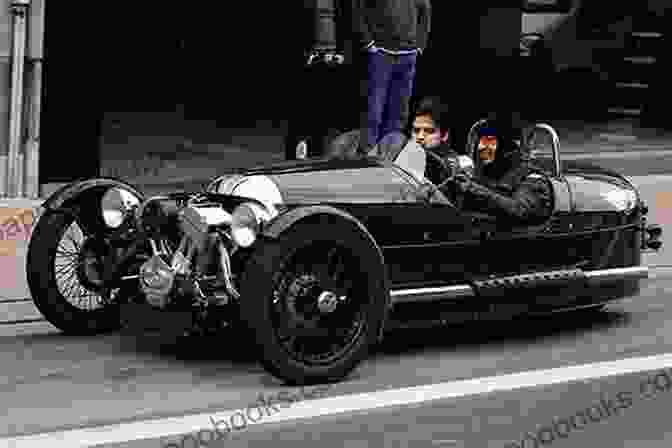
(510, 188)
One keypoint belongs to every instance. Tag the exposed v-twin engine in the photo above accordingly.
(200, 267)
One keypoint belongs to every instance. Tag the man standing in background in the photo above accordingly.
(392, 33)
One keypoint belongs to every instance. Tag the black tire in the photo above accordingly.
(41, 275)
(272, 264)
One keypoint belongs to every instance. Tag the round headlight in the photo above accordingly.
(115, 204)
(622, 200)
(243, 236)
(245, 222)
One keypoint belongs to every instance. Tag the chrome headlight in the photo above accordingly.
(115, 205)
(246, 222)
(623, 199)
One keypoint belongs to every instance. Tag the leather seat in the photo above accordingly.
(403, 152)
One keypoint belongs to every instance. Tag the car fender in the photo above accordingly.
(285, 221)
(66, 194)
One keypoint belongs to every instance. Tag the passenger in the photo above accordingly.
(431, 130)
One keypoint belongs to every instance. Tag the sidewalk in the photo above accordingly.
(18, 314)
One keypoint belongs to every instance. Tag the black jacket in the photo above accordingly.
(517, 193)
(392, 24)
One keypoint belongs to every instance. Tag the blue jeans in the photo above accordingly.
(390, 86)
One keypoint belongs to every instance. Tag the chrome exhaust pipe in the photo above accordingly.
(432, 294)
(616, 274)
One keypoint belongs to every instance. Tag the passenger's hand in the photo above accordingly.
(427, 190)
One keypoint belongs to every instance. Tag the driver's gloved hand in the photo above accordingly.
(462, 181)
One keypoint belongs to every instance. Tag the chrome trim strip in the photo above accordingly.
(431, 294)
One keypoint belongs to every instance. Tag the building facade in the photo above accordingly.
(235, 65)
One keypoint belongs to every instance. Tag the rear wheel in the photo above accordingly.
(315, 301)
(63, 267)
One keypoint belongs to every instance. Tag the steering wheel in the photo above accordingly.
(448, 174)
(446, 170)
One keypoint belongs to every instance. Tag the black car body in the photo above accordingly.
(258, 247)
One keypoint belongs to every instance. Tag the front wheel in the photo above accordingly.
(314, 301)
(63, 270)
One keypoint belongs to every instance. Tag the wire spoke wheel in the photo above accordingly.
(319, 303)
(315, 300)
(77, 269)
(64, 269)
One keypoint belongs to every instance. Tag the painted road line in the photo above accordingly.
(153, 429)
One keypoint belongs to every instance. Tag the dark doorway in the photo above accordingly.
(113, 57)
(228, 65)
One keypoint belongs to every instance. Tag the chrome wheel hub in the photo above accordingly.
(328, 301)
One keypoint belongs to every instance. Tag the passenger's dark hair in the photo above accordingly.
(437, 109)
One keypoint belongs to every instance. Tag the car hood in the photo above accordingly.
(309, 165)
(320, 181)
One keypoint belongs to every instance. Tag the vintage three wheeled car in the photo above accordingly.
(316, 258)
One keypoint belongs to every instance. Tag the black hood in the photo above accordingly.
(507, 128)
(507, 157)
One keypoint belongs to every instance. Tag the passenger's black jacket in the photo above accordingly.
(512, 189)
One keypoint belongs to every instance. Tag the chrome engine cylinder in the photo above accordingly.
(156, 281)
(199, 253)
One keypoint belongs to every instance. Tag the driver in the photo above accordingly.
(506, 184)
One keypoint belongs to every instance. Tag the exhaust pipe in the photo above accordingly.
(595, 278)
(432, 294)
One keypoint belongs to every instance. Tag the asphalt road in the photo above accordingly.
(52, 382)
